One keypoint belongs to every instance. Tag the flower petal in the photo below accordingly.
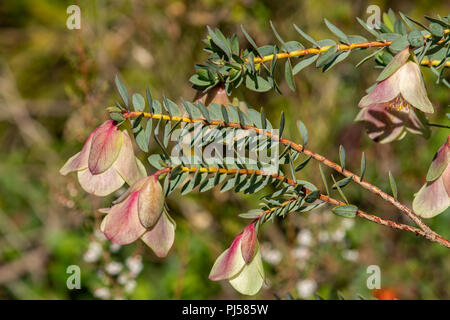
(100, 184)
(440, 161)
(122, 225)
(384, 91)
(433, 198)
(412, 87)
(126, 163)
(229, 263)
(80, 160)
(249, 243)
(382, 126)
(106, 145)
(151, 202)
(250, 280)
(161, 237)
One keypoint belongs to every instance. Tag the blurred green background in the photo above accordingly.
(55, 84)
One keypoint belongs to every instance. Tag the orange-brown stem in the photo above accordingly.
(360, 213)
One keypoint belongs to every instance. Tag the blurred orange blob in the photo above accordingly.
(384, 294)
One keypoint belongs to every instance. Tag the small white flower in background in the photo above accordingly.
(130, 286)
(134, 264)
(99, 235)
(306, 288)
(114, 268)
(114, 247)
(338, 235)
(93, 253)
(301, 253)
(123, 278)
(269, 254)
(304, 237)
(324, 236)
(350, 255)
(102, 293)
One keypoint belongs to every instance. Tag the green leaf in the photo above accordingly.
(369, 56)
(294, 46)
(303, 131)
(393, 185)
(363, 166)
(342, 156)
(347, 211)
(171, 107)
(341, 35)
(138, 102)
(123, 92)
(288, 74)
(324, 180)
(342, 183)
(368, 29)
(327, 56)
(306, 36)
(399, 44)
(277, 35)
(312, 196)
(118, 117)
(339, 189)
(250, 40)
(415, 38)
(282, 122)
(303, 164)
(304, 63)
(219, 41)
(257, 83)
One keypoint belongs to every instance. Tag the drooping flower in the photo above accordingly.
(139, 213)
(434, 196)
(241, 263)
(388, 109)
(106, 161)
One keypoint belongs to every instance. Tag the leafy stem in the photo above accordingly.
(300, 148)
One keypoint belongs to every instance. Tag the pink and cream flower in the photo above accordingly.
(388, 109)
(139, 214)
(434, 196)
(106, 161)
(241, 263)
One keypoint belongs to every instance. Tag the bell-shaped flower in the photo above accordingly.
(106, 161)
(434, 196)
(139, 213)
(241, 263)
(388, 108)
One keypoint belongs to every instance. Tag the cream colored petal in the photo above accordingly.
(80, 160)
(151, 202)
(122, 225)
(385, 91)
(432, 199)
(412, 87)
(126, 164)
(161, 237)
(100, 184)
(250, 280)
